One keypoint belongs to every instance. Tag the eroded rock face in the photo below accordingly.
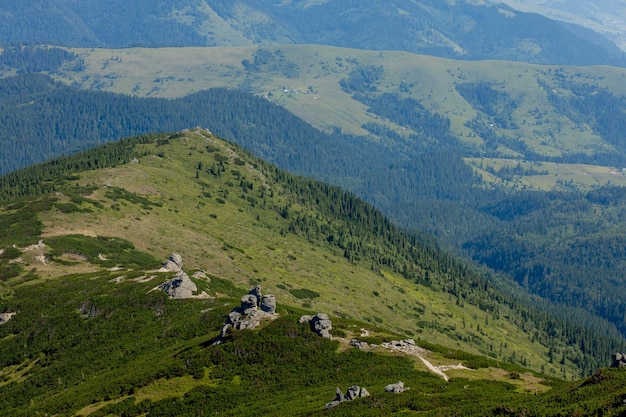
(256, 292)
(356, 392)
(248, 302)
(405, 346)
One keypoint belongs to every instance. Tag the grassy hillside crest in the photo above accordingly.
(89, 337)
(496, 109)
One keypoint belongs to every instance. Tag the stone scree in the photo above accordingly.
(353, 392)
(254, 308)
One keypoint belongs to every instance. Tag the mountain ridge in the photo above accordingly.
(455, 30)
(104, 222)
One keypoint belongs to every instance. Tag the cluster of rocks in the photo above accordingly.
(359, 392)
(619, 360)
(353, 392)
(254, 308)
(397, 388)
(359, 344)
(405, 346)
(181, 286)
(320, 324)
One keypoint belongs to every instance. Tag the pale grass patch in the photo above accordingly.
(527, 383)
(17, 373)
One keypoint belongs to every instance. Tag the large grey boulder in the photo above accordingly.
(339, 398)
(305, 319)
(268, 303)
(321, 325)
(179, 287)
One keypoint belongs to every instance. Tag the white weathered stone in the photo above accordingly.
(5, 317)
(397, 388)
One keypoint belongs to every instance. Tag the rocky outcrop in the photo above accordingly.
(405, 346)
(619, 360)
(253, 309)
(397, 388)
(320, 324)
(181, 286)
(353, 392)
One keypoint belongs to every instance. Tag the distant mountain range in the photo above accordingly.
(607, 17)
(458, 30)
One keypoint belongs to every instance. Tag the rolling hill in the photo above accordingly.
(91, 335)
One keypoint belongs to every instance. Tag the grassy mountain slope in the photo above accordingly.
(88, 330)
(539, 107)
